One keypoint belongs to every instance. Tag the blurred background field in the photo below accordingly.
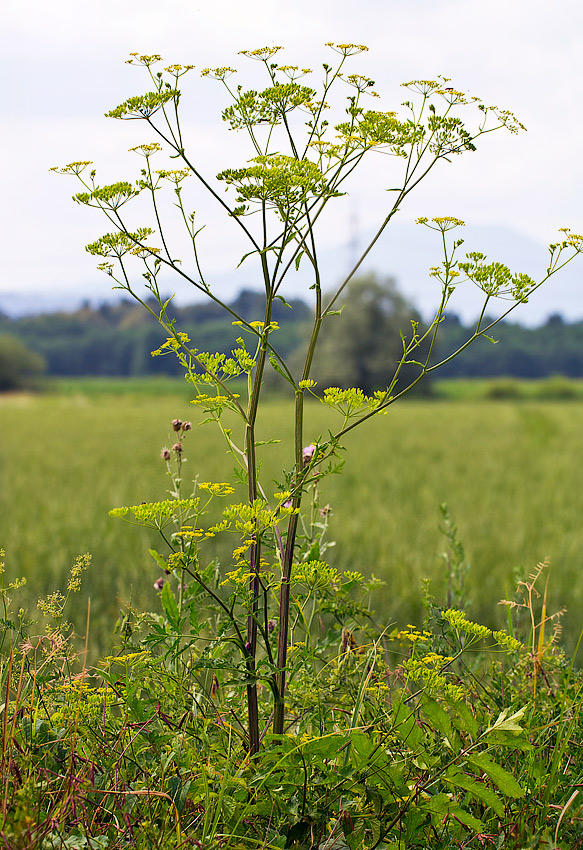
(509, 468)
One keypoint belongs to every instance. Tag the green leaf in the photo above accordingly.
(277, 368)
(244, 257)
(441, 721)
(407, 729)
(362, 744)
(375, 826)
(467, 819)
(325, 747)
(179, 791)
(503, 723)
(440, 806)
(158, 558)
(170, 607)
(314, 553)
(508, 739)
(476, 789)
(463, 719)
(298, 260)
(503, 780)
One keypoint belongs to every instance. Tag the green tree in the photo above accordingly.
(19, 366)
(362, 346)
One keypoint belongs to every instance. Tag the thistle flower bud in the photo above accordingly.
(177, 447)
(308, 453)
(165, 454)
(177, 424)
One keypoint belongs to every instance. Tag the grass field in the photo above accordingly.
(509, 470)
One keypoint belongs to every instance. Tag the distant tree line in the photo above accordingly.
(117, 339)
(554, 348)
(359, 347)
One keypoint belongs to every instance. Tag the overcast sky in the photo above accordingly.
(64, 66)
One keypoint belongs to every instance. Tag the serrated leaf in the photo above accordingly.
(503, 780)
(476, 789)
(375, 826)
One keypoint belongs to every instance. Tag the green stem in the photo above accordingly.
(253, 491)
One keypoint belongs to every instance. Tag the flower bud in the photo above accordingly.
(177, 447)
(159, 583)
(186, 426)
(177, 424)
(165, 454)
(308, 453)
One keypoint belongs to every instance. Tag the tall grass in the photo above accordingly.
(509, 472)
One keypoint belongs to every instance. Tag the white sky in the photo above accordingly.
(63, 67)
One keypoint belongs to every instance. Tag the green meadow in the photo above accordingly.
(510, 471)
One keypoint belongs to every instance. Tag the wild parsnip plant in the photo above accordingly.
(300, 162)
(260, 707)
